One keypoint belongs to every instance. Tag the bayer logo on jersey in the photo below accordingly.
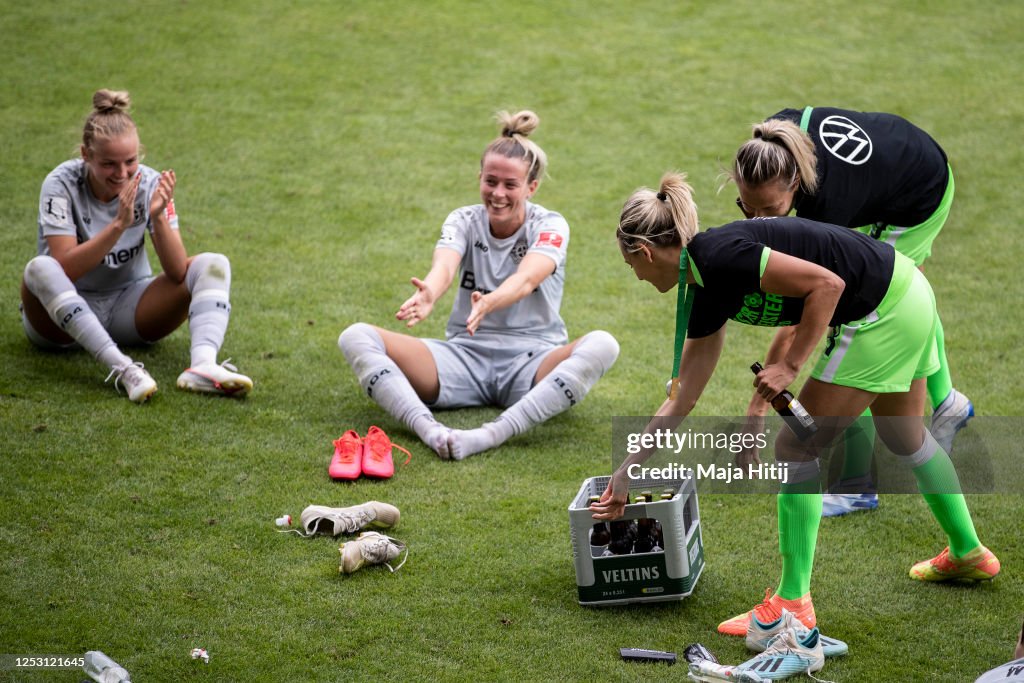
(845, 140)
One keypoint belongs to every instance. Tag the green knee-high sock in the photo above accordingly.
(940, 384)
(858, 447)
(799, 515)
(940, 486)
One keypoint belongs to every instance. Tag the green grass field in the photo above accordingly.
(320, 146)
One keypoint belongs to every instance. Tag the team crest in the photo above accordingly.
(519, 251)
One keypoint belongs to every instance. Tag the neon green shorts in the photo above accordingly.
(916, 241)
(889, 348)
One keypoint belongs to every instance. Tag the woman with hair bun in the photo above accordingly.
(792, 271)
(506, 342)
(91, 285)
(883, 176)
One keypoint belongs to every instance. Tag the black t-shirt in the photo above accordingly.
(872, 168)
(728, 260)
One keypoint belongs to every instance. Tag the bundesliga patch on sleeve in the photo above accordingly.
(551, 239)
(57, 207)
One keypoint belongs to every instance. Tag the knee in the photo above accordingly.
(211, 267)
(789, 449)
(357, 336)
(40, 275)
(600, 347)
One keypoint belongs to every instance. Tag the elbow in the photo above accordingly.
(833, 286)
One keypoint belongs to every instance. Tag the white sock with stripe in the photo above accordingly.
(48, 282)
(209, 282)
(385, 383)
(562, 388)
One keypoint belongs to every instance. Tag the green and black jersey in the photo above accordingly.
(872, 168)
(728, 263)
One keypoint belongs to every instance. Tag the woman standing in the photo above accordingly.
(885, 177)
(91, 284)
(817, 275)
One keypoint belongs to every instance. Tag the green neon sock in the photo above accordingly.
(940, 384)
(799, 515)
(940, 486)
(859, 447)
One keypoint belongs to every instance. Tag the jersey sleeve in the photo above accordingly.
(551, 238)
(55, 210)
(734, 261)
(455, 232)
(705, 317)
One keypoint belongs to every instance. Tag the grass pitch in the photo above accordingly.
(320, 145)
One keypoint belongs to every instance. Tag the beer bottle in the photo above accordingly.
(644, 535)
(795, 415)
(659, 537)
(621, 538)
(599, 536)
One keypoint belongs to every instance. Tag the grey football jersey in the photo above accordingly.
(68, 207)
(487, 261)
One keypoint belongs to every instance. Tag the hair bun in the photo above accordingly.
(106, 101)
(521, 123)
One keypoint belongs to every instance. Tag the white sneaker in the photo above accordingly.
(838, 504)
(950, 417)
(370, 548)
(760, 634)
(210, 378)
(335, 521)
(135, 380)
(789, 653)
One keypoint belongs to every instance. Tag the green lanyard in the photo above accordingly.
(684, 304)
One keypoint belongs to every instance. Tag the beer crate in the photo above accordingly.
(669, 574)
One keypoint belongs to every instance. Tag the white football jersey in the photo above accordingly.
(68, 207)
(488, 261)
(1011, 672)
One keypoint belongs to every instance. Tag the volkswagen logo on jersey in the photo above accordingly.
(845, 140)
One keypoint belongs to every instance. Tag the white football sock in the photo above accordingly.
(385, 383)
(562, 388)
(48, 282)
(209, 282)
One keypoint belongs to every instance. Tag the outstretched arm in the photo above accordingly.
(700, 356)
(431, 288)
(533, 269)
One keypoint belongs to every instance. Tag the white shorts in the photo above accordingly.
(114, 309)
(485, 370)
